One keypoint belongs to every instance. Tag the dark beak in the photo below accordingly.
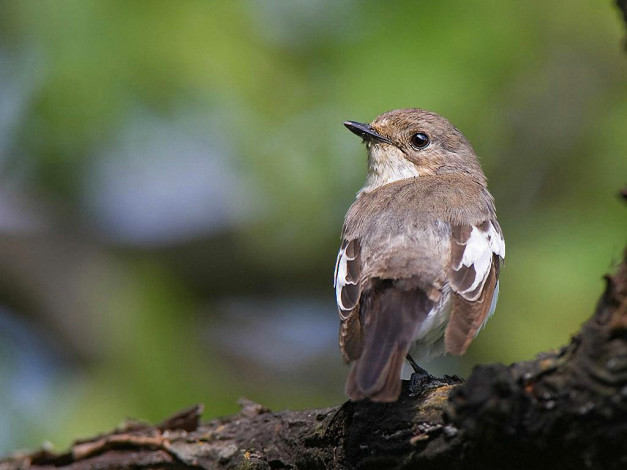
(365, 132)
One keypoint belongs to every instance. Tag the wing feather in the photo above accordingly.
(476, 254)
(348, 292)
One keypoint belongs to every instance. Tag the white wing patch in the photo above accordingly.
(345, 296)
(482, 244)
(496, 241)
(341, 274)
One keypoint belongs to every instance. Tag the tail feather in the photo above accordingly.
(388, 386)
(390, 319)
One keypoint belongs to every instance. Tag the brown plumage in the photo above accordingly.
(420, 254)
(467, 317)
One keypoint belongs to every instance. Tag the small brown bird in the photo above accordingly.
(418, 267)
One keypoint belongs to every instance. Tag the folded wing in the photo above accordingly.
(348, 292)
(476, 255)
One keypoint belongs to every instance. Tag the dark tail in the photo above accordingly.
(390, 318)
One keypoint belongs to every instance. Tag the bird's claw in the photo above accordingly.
(422, 381)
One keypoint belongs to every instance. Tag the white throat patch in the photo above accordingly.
(386, 164)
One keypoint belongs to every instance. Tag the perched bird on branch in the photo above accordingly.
(417, 271)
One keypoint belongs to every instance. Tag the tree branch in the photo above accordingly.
(565, 409)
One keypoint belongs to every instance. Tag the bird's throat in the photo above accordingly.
(387, 164)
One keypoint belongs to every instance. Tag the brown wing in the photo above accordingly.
(476, 254)
(348, 292)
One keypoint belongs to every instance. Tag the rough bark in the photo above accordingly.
(566, 409)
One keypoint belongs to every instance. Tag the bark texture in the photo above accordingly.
(566, 409)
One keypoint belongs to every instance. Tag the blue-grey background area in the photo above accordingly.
(173, 180)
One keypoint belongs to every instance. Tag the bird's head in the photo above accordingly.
(408, 143)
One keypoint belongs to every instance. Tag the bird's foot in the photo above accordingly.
(421, 380)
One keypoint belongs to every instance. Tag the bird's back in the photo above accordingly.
(404, 227)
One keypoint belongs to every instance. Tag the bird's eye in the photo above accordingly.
(419, 140)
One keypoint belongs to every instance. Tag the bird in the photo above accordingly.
(417, 273)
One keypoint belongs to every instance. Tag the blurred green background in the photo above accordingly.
(174, 178)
